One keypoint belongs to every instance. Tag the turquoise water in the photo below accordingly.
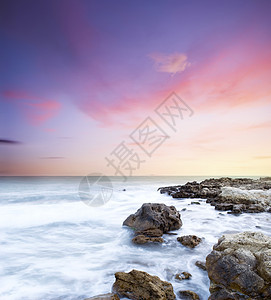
(54, 246)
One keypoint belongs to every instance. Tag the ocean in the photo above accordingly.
(55, 246)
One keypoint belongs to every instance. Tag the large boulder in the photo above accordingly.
(140, 285)
(239, 267)
(155, 216)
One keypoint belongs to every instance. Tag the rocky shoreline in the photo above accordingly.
(239, 266)
(235, 195)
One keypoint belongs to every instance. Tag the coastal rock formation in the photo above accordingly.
(109, 296)
(239, 267)
(190, 241)
(151, 221)
(236, 195)
(155, 216)
(139, 285)
(188, 295)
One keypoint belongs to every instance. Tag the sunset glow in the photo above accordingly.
(77, 77)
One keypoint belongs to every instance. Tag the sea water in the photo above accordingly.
(54, 246)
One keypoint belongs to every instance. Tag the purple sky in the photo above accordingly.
(78, 76)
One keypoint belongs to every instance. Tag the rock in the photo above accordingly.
(201, 265)
(183, 276)
(155, 216)
(237, 195)
(109, 296)
(195, 202)
(188, 295)
(142, 239)
(190, 241)
(139, 285)
(150, 232)
(239, 267)
(223, 206)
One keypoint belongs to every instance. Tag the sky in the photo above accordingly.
(135, 87)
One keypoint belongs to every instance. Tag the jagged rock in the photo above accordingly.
(183, 276)
(201, 265)
(190, 241)
(140, 285)
(109, 296)
(189, 295)
(155, 216)
(240, 266)
(142, 239)
(236, 195)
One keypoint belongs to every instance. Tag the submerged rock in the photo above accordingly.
(201, 265)
(236, 195)
(139, 285)
(155, 216)
(183, 276)
(239, 267)
(190, 241)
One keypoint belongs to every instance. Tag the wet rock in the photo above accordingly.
(240, 266)
(139, 285)
(201, 265)
(142, 239)
(109, 296)
(236, 195)
(222, 294)
(183, 276)
(238, 208)
(150, 232)
(195, 202)
(189, 295)
(155, 216)
(190, 241)
(223, 206)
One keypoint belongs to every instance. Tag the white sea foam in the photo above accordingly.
(66, 250)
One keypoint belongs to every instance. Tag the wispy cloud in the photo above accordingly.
(263, 125)
(9, 142)
(36, 109)
(172, 63)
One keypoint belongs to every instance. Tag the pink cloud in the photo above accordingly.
(172, 63)
(36, 109)
(228, 76)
